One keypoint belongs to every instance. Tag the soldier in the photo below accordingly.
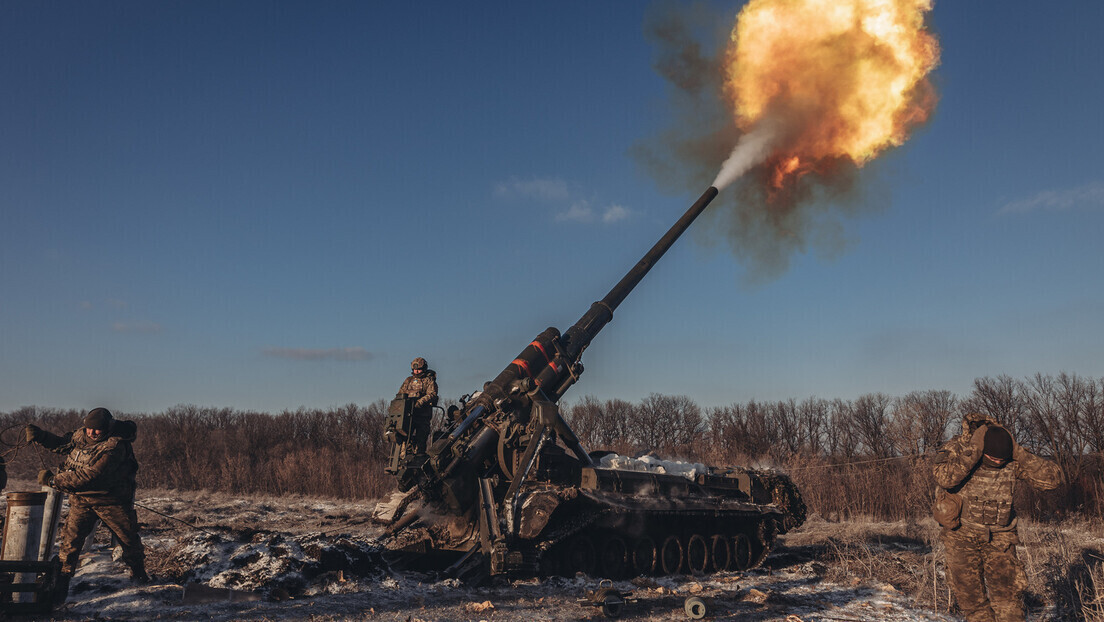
(99, 475)
(977, 472)
(421, 385)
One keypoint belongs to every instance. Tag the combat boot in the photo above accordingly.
(138, 574)
(61, 588)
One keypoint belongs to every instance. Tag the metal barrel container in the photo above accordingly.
(51, 514)
(23, 534)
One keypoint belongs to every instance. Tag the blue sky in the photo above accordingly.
(267, 205)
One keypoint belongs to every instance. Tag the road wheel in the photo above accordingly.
(580, 556)
(697, 555)
(670, 555)
(741, 552)
(720, 552)
(614, 558)
(644, 556)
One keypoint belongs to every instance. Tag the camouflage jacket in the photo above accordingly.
(100, 473)
(423, 387)
(987, 492)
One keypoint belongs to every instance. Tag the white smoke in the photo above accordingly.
(751, 149)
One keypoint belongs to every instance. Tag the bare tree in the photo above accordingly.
(920, 420)
(813, 417)
(1092, 416)
(761, 431)
(841, 438)
(727, 436)
(1001, 398)
(785, 419)
(667, 423)
(601, 425)
(584, 417)
(1053, 407)
(870, 416)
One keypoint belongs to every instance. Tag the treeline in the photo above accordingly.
(870, 456)
(338, 452)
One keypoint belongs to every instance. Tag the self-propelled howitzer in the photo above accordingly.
(508, 488)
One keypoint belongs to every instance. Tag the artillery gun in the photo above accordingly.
(507, 488)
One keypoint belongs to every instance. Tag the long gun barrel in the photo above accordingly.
(579, 336)
(552, 360)
(527, 389)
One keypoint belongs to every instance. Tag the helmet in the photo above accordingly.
(98, 419)
(418, 363)
(998, 443)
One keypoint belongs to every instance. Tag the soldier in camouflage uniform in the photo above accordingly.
(422, 386)
(979, 469)
(99, 475)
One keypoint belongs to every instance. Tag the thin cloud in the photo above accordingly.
(556, 192)
(319, 354)
(1088, 196)
(136, 327)
(579, 211)
(548, 190)
(615, 213)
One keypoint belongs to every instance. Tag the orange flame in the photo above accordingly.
(844, 78)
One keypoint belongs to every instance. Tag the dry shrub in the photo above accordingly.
(1066, 562)
(898, 489)
(168, 562)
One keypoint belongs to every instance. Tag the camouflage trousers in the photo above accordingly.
(987, 577)
(422, 421)
(121, 520)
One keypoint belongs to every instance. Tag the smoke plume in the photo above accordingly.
(752, 148)
(785, 108)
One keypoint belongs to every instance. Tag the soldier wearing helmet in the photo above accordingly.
(99, 475)
(422, 386)
(977, 472)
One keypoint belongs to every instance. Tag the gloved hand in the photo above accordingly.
(33, 432)
(1018, 452)
(46, 477)
(978, 437)
(977, 440)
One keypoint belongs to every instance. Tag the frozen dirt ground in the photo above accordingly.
(313, 559)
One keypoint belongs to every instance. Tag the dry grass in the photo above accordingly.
(1064, 561)
(906, 555)
(1092, 594)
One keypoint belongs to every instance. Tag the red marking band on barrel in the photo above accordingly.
(540, 347)
(556, 369)
(523, 366)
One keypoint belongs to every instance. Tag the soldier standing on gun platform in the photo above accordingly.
(99, 475)
(421, 385)
(977, 472)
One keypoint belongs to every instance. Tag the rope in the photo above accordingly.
(845, 464)
(10, 454)
(196, 527)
